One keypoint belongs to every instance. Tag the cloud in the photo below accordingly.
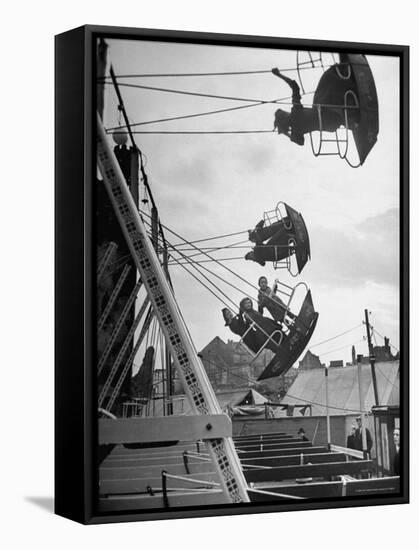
(368, 253)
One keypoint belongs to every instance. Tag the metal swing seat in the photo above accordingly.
(298, 244)
(269, 338)
(358, 105)
(339, 144)
(300, 332)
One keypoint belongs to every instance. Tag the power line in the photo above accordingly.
(337, 336)
(256, 382)
(342, 347)
(323, 404)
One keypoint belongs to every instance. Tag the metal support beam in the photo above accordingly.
(130, 360)
(166, 428)
(191, 371)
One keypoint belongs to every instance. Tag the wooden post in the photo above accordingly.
(326, 373)
(361, 404)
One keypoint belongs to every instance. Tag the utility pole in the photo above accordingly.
(372, 358)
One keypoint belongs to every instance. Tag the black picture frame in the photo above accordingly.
(75, 264)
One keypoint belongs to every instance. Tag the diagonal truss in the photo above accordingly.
(190, 368)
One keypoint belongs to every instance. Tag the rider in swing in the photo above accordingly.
(303, 120)
(276, 247)
(253, 327)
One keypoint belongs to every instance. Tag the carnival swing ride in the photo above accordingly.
(138, 315)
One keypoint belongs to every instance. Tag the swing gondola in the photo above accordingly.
(345, 100)
(295, 342)
(281, 237)
(286, 336)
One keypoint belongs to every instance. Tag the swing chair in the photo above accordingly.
(346, 89)
(300, 330)
(292, 231)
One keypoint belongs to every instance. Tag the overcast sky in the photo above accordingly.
(209, 185)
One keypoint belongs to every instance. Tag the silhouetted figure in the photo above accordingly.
(302, 434)
(303, 120)
(350, 440)
(396, 458)
(358, 437)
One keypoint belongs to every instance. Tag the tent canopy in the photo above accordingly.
(309, 387)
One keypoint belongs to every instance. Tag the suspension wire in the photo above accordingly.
(193, 115)
(195, 277)
(228, 73)
(186, 261)
(233, 98)
(207, 287)
(213, 248)
(122, 109)
(337, 336)
(198, 94)
(121, 106)
(213, 284)
(210, 257)
(219, 237)
(219, 290)
(199, 132)
(209, 261)
(219, 262)
(204, 113)
(196, 115)
(222, 279)
(216, 96)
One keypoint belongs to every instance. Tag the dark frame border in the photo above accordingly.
(75, 391)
